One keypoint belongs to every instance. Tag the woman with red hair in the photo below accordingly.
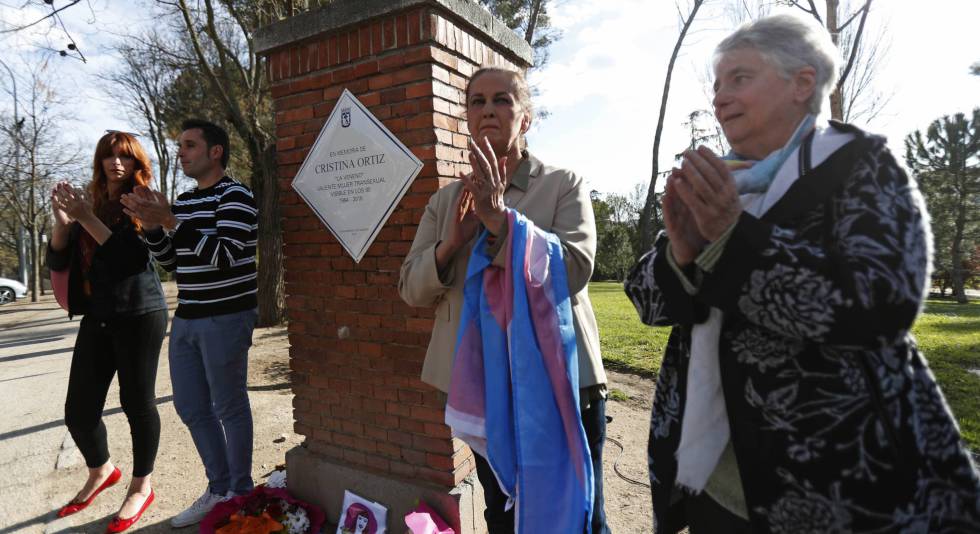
(113, 283)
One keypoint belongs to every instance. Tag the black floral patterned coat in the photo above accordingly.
(836, 420)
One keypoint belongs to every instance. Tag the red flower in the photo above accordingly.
(263, 500)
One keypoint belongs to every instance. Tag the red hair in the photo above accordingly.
(142, 171)
(355, 510)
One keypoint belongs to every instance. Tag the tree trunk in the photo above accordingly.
(41, 252)
(532, 21)
(40, 258)
(32, 216)
(836, 106)
(956, 273)
(163, 160)
(173, 183)
(836, 103)
(270, 278)
(648, 217)
(22, 260)
(35, 266)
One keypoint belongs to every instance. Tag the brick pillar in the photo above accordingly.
(356, 349)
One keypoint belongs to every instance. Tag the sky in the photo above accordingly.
(604, 81)
(602, 85)
(94, 26)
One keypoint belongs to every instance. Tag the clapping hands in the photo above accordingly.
(486, 185)
(465, 222)
(69, 203)
(700, 203)
(150, 207)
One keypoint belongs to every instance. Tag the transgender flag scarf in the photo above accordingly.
(514, 395)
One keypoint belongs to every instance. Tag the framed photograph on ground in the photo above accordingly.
(361, 516)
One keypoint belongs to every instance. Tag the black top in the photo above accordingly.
(212, 251)
(122, 277)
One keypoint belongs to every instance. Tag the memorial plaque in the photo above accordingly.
(355, 175)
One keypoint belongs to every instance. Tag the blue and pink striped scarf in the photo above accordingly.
(514, 396)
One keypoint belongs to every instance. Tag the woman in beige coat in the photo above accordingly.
(499, 112)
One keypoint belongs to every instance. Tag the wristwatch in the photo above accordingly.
(170, 233)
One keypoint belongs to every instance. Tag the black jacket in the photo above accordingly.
(122, 277)
(836, 421)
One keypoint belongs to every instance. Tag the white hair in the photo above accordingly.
(790, 43)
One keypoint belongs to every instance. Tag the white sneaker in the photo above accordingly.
(196, 511)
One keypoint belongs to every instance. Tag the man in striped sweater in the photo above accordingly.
(209, 238)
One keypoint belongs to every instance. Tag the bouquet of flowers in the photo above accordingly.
(262, 511)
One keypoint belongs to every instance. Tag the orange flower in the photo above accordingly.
(250, 524)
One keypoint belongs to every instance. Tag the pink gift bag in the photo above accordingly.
(425, 520)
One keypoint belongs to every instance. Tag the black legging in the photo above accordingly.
(131, 346)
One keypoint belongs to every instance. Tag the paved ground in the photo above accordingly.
(40, 469)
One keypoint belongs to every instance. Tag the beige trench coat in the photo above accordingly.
(557, 201)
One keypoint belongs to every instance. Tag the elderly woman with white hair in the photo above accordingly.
(792, 397)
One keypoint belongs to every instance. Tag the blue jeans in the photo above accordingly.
(208, 370)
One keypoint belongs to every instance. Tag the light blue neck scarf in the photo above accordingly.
(758, 177)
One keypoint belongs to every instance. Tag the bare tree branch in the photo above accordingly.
(224, 54)
(72, 45)
(649, 210)
(54, 13)
(45, 159)
(857, 43)
(840, 27)
(860, 100)
(254, 72)
(142, 87)
(812, 10)
(202, 60)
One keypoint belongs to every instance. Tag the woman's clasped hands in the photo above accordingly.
(700, 203)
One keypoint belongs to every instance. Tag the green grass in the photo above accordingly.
(618, 395)
(627, 344)
(948, 334)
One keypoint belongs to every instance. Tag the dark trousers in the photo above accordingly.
(706, 516)
(502, 522)
(130, 347)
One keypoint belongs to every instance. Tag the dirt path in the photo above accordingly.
(627, 503)
(41, 469)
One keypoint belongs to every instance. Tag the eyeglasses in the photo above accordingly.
(134, 134)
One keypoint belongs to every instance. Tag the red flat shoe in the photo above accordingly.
(73, 507)
(119, 524)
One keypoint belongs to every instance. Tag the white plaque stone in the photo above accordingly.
(355, 175)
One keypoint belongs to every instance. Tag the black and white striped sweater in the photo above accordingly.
(213, 250)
